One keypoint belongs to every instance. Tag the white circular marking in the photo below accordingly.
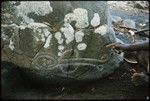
(81, 46)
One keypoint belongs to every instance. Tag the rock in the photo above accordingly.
(8, 13)
(128, 23)
(141, 4)
(140, 79)
(116, 19)
(39, 48)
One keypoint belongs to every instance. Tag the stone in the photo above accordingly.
(129, 23)
(141, 4)
(116, 19)
(140, 79)
(8, 13)
(47, 44)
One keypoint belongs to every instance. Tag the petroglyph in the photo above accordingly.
(44, 61)
(69, 45)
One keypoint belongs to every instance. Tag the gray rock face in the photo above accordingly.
(139, 4)
(129, 23)
(60, 40)
(116, 19)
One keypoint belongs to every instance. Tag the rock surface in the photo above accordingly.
(18, 84)
(116, 19)
(54, 40)
(129, 23)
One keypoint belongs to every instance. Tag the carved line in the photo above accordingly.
(43, 55)
(83, 59)
(61, 66)
(77, 61)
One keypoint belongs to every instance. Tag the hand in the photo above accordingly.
(118, 46)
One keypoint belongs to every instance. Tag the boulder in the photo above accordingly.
(141, 4)
(116, 19)
(55, 40)
(129, 23)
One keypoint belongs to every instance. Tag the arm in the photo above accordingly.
(137, 46)
(130, 47)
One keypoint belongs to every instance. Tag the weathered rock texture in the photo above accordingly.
(59, 40)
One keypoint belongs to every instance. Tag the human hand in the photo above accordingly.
(118, 46)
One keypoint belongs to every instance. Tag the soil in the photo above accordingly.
(115, 86)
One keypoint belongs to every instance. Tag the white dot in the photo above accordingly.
(81, 46)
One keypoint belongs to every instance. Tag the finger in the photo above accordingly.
(111, 45)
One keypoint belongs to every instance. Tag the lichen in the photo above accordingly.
(68, 32)
(48, 41)
(4, 37)
(61, 47)
(46, 32)
(96, 20)
(22, 27)
(59, 38)
(11, 45)
(37, 7)
(43, 37)
(101, 30)
(36, 25)
(79, 15)
(81, 46)
(59, 53)
(79, 36)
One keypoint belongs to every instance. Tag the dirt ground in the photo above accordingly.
(115, 86)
